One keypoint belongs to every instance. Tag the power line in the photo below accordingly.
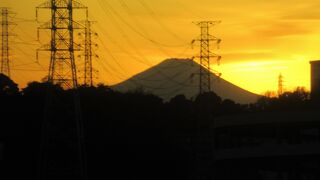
(25, 64)
(144, 60)
(35, 70)
(26, 35)
(156, 18)
(188, 9)
(167, 78)
(107, 6)
(25, 20)
(113, 57)
(25, 54)
(25, 43)
(152, 14)
(144, 79)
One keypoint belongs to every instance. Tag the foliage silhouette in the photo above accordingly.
(7, 86)
(132, 135)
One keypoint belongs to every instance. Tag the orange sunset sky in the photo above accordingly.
(260, 39)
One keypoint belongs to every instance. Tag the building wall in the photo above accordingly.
(1, 151)
(270, 151)
(315, 79)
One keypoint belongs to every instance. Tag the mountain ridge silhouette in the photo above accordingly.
(173, 77)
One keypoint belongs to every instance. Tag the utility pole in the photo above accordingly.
(62, 152)
(206, 54)
(5, 54)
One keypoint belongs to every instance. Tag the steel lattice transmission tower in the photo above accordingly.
(206, 42)
(88, 54)
(62, 153)
(5, 54)
(280, 85)
(62, 67)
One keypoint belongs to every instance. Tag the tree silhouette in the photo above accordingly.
(134, 132)
(7, 86)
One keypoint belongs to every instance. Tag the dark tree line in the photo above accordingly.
(133, 135)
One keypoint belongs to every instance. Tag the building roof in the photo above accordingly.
(268, 118)
(315, 62)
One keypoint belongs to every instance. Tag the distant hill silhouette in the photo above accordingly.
(180, 76)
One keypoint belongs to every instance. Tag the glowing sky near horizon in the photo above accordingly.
(260, 38)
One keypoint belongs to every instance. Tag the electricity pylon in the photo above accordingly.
(88, 54)
(62, 153)
(206, 54)
(203, 155)
(5, 34)
(62, 67)
(280, 84)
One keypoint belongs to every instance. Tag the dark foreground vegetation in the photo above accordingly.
(133, 135)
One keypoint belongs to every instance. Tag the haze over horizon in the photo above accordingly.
(138, 34)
